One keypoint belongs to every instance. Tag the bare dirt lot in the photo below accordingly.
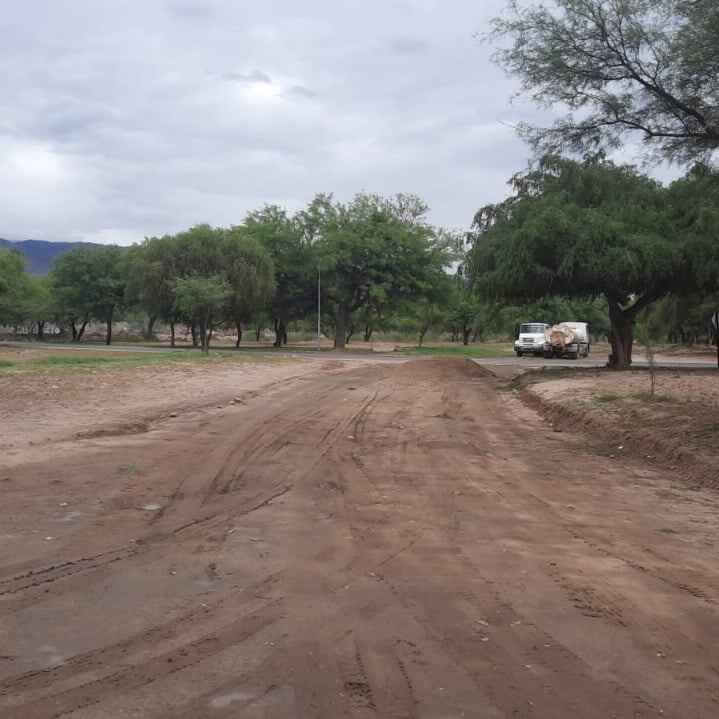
(677, 425)
(384, 541)
(48, 405)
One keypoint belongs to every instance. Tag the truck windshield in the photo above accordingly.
(531, 329)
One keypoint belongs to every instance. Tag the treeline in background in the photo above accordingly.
(577, 240)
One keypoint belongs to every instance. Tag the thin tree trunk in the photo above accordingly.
(172, 334)
(367, 333)
(81, 331)
(279, 333)
(284, 334)
(204, 338)
(193, 330)
(73, 329)
(258, 333)
(108, 332)
(350, 332)
(238, 324)
(150, 327)
(40, 331)
(466, 331)
(422, 333)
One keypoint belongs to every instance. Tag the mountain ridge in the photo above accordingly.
(40, 254)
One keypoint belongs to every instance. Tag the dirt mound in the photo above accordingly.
(442, 368)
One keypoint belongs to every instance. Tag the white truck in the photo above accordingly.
(567, 340)
(531, 340)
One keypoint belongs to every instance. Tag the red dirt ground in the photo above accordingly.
(385, 541)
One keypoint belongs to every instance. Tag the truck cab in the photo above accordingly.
(531, 339)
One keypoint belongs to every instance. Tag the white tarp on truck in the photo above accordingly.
(567, 339)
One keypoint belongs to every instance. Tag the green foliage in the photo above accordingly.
(622, 67)
(583, 230)
(249, 272)
(374, 253)
(89, 282)
(202, 300)
(14, 287)
(288, 240)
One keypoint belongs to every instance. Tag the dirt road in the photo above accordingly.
(391, 541)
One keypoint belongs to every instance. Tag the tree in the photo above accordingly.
(90, 283)
(290, 246)
(250, 275)
(151, 275)
(580, 229)
(202, 300)
(40, 305)
(620, 67)
(14, 288)
(373, 252)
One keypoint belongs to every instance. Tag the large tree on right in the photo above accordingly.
(645, 68)
(581, 229)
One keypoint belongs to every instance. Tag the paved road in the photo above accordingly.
(691, 363)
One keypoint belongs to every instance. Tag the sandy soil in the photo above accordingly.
(38, 410)
(680, 425)
(385, 541)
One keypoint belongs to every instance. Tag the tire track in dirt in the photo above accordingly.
(407, 555)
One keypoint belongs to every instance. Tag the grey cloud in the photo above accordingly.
(128, 119)
(191, 9)
(408, 45)
(301, 91)
(254, 76)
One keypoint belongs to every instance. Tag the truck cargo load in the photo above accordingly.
(567, 340)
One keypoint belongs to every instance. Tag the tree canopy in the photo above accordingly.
(647, 68)
(373, 251)
(580, 229)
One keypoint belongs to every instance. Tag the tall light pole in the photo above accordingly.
(319, 305)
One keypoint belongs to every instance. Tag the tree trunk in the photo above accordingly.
(621, 336)
(422, 333)
(350, 332)
(172, 334)
(466, 331)
(210, 330)
(284, 335)
(258, 333)
(40, 331)
(280, 334)
(150, 327)
(108, 331)
(238, 324)
(193, 330)
(81, 331)
(73, 329)
(204, 335)
(341, 329)
(367, 333)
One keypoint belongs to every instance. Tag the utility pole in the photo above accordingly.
(319, 305)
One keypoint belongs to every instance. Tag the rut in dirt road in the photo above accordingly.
(391, 541)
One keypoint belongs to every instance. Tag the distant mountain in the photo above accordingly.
(39, 254)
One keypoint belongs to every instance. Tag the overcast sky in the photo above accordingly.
(126, 118)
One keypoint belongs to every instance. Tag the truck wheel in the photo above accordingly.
(519, 354)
